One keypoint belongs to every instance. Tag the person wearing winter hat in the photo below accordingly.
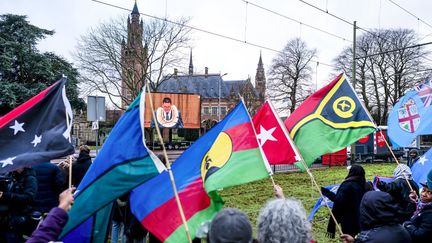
(420, 224)
(400, 191)
(230, 225)
(413, 155)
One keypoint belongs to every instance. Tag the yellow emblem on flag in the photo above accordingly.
(217, 156)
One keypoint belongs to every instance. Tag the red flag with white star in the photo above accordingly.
(36, 131)
(273, 137)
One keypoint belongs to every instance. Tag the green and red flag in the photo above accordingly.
(330, 119)
(225, 156)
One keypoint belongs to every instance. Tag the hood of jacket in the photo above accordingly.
(377, 209)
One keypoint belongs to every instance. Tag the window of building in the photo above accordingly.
(223, 110)
(214, 111)
(206, 110)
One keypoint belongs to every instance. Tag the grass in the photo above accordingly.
(251, 197)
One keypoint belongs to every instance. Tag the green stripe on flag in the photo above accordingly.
(108, 187)
(309, 139)
(102, 221)
(179, 235)
(242, 167)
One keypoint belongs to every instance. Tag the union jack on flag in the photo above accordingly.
(424, 91)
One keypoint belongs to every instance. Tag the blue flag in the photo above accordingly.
(122, 164)
(411, 115)
(320, 202)
(421, 168)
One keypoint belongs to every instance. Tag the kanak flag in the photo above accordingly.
(273, 137)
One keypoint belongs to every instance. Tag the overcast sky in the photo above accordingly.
(234, 18)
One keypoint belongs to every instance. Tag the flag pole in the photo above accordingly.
(382, 136)
(263, 156)
(168, 164)
(70, 141)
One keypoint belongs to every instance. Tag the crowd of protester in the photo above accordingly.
(34, 203)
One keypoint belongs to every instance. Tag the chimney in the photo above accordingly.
(175, 72)
(206, 71)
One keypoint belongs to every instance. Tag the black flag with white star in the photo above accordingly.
(36, 131)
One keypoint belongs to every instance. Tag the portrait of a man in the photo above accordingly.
(168, 116)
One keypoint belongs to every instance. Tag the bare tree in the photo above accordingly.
(101, 56)
(385, 68)
(290, 74)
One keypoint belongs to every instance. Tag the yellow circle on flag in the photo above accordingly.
(217, 156)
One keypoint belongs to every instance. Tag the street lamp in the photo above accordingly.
(219, 96)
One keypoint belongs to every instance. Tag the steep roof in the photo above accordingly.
(205, 85)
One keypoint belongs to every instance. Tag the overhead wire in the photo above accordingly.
(204, 31)
(413, 15)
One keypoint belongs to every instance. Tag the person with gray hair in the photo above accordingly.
(283, 220)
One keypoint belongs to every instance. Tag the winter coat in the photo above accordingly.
(51, 227)
(346, 207)
(50, 184)
(22, 194)
(400, 191)
(420, 225)
(378, 221)
(80, 167)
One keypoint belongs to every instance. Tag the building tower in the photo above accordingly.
(190, 64)
(133, 59)
(260, 80)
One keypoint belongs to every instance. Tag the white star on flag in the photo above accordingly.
(7, 161)
(266, 135)
(422, 160)
(17, 127)
(36, 140)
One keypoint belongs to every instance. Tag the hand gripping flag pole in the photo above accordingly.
(168, 164)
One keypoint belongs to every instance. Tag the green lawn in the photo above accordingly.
(251, 197)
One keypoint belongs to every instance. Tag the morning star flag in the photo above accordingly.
(225, 156)
(273, 136)
(321, 202)
(421, 168)
(37, 130)
(122, 164)
(411, 115)
(329, 120)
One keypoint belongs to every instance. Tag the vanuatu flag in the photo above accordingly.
(225, 156)
(330, 119)
(122, 164)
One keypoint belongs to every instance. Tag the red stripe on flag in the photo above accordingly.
(164, 220)
(12, 115)
(309, 105)
(242, 137)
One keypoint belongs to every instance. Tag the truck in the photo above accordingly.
(373, 147)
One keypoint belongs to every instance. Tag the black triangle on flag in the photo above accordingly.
(37, 130)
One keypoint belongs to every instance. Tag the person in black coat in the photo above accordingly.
(17, 201)
(81, 165)
(378, 221)
(51, 183)
(420, 225)
(413, 156)
(400, 191)
(346, 207)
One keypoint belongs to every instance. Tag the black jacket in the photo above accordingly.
(50, 184)
(400, 191)
(22, 194)
(420, 226)
(346, 207)
(80, 167)
(378, 221)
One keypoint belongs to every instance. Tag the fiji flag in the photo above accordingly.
(411, 115)
(122, 164)
(421, 168)
(320, 202)
(36, 131)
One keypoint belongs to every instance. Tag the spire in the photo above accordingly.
(135, 9)
(190, 63)
(260, 62)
